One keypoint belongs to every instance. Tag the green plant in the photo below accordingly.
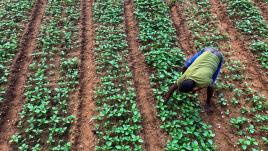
(248, 19)
(45, 111)
(222, 100)
(158, 42)
(238, 122)
(246, 142)
(118, 121)
(13, 16)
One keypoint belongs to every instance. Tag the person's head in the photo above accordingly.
(187, 86)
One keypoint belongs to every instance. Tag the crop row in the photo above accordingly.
(242, 104)
(180, 118)
(118, 122)
(13, 16)
(247, 18)
(44, 120)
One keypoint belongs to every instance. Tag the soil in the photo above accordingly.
(183, 33)
(85, 138)
(223, 138)
(13, 98)
(255, 74)
(154, 138)
(82, 104)
(263, 8)
(74, 97)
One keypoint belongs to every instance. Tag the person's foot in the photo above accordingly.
(208, 109)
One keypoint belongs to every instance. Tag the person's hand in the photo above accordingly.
(196, 89)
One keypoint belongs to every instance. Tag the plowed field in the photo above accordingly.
(92, 75)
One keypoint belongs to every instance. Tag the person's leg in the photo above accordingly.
(210, 91)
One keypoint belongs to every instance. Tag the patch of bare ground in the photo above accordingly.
(151, 133)
(254, 74)
(263, 7)
(14, 94)
(85, 138)
(224, 140)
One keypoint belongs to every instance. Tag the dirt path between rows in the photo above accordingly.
(85, 138)
(152, 135)
(14, 94)
(184, 37)
(263, 8)
(254, 74)
(222, 140)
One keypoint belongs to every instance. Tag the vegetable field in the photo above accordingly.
(92, 75)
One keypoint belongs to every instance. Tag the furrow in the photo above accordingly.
(246, 18)
(153, 136)
(263, 7)
(254, 74)
(13, 97)
(222, 140)
(118, 123)
(85, 137)
(234, 86)
(183, 33)
(180, 116)
(44, 120)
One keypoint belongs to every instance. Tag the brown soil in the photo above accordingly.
(223, 138)
(152, 135)
(254, 74)
(13, 97)
(183, 33)
(85, 138)
(54, 72)
(74, 97)
(263, 8)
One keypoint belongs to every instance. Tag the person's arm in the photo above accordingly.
(170, 92)
(217, 72)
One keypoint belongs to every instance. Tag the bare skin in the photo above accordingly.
(210, 91)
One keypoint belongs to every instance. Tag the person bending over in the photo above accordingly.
(200, 71)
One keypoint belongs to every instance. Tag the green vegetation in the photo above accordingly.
(181, 120)
(118, 122)
(248, 141)
(13, 16)
(234, 98)
(248, 19)
(44, 119)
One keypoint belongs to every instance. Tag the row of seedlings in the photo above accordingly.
(243, 107)
(68, 81)
(180, 117)
(265, 1)
(118, 122)
(44, 120)
(13, 17)
(248, 20)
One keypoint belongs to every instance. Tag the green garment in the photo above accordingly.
(201, 70)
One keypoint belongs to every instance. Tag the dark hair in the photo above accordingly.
(187, 86)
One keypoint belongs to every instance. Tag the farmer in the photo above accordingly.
(199, 71)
